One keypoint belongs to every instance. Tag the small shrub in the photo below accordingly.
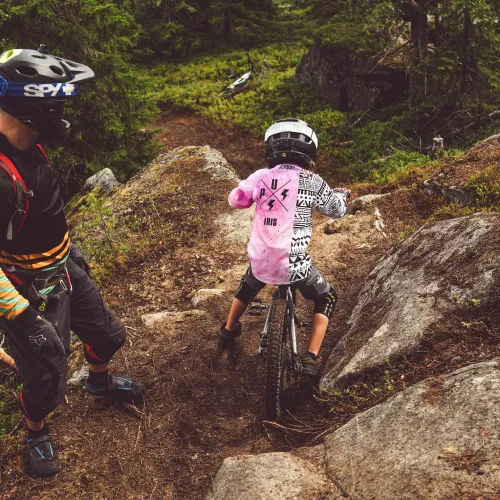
(451, 211)
(486, 186)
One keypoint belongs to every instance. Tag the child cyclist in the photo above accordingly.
(285, 194)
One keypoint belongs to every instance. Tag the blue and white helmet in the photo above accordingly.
(34, 86)
(291, 141)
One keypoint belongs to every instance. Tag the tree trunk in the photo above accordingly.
(227, 26)
(464, 53)
(416, 14)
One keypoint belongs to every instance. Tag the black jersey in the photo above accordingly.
(43, 239)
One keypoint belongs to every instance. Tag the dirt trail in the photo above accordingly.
(198, 410)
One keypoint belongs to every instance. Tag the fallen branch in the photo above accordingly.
(282, 427)
(8, 361)
(17, 427)
(134, 410)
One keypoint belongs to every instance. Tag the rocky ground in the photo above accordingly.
(172, 235)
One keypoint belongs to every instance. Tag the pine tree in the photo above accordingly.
(110, 110)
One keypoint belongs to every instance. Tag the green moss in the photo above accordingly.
(486, 187)
(10, 413)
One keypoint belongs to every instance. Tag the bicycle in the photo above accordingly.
(278, 343)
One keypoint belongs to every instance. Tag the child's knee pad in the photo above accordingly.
(325, 303)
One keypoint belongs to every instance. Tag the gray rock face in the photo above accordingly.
(204, 296)
(453, 194)
(217, 166)
(276, 476)
(79, 376)
(105, 179)
(237, 225)
(167, 318)
(350, 81)
(424, 279)
(438, 439)
(364, 201)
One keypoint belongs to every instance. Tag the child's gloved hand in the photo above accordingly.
(346, 191)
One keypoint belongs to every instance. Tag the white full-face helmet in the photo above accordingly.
(291, 141)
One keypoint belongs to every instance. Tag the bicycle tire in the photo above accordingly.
(274, 364)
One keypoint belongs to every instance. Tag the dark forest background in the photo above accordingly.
(444, 57)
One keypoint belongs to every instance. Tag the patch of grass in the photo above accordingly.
(407, 231)
(472, 335)
(450, 211)
(486, 186)
(9, 404)
(196, 85)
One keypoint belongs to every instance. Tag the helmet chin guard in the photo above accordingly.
(34, 86)
(291, 141)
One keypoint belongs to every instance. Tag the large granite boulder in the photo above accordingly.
(276, 476)
(430, 275)
(437, 439)
(105, 179)
(350, 81)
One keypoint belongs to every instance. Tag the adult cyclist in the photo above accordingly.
(284, 195)
(45, 290)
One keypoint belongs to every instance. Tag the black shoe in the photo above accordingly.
(42, 457)
(119, 389)
(227, 338)
(311, 364)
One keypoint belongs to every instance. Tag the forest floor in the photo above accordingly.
(198, 410)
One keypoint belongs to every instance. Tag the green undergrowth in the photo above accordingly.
(470, 335)
(9, 404)
(139, 221)
(378, 151)
(273, 93)
(382, 146)
(486, 187)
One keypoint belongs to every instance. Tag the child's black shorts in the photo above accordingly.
(315, 287)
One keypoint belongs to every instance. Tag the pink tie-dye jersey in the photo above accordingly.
(282, 226)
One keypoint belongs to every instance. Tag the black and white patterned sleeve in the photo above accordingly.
(327, 201)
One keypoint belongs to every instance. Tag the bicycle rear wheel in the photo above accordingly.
(277, 358)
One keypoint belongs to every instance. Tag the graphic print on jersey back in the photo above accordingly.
(282, 227)
(275, 195)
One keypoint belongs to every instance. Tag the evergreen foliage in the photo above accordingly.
(179, 29)
(183, 52)
(111, 109)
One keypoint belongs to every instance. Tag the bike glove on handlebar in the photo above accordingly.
(345, 191)
(39, 333)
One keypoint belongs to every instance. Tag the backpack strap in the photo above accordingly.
(21, 196)
(39, 146)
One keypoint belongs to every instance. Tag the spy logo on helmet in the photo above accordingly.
(50, 90)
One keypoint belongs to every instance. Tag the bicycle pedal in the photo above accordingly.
(256, 309)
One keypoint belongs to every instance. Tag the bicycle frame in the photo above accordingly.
(284, 290)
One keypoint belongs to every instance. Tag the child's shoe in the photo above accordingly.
(227, 338)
